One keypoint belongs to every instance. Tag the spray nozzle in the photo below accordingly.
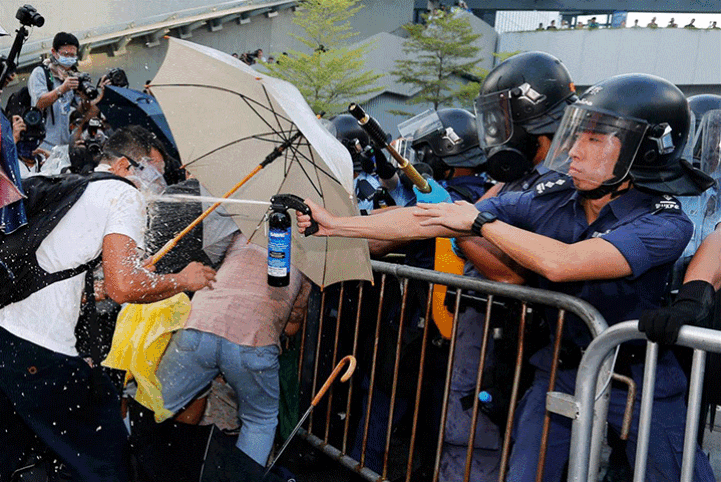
(283, 202)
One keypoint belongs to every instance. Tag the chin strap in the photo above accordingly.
(605, 189)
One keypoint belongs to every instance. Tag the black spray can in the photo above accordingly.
(279, 242)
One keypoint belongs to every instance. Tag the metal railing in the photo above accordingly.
(701, 340)
(321, 348)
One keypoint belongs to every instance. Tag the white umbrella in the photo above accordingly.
(227, 119)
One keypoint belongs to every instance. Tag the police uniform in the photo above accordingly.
(651, 231)
(469, 338)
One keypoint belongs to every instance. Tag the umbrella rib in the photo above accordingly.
(236, 141)
(244, 97)
(267, 97)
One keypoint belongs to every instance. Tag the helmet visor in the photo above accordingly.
(708, 150)
(594, 148)
(493, 118)
(421, 125)
(403, 147)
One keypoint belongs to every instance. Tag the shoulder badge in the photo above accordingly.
(666, 202)
(545, 185)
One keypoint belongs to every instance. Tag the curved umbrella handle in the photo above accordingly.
(351, 368)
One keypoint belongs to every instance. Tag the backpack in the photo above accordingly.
(48, 200)
(20, 102)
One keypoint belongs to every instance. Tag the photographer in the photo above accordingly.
(53, 87)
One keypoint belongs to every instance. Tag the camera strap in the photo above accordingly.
(50, 81)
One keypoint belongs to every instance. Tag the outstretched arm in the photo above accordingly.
(403, 224)
(706, 263)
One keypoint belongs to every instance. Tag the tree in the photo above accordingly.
(332, 74)
(440, 52)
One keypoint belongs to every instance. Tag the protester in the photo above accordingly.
(672, 24)
(552, 26)
(652, 23)
(690, 25)
(235, 329)
(602, 234)
(46, 387)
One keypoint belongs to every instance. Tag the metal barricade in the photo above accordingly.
(701, 340)
(333, 435)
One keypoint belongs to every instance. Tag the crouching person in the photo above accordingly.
(235, 329)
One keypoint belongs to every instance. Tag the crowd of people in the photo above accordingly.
(542, 187)
(593, 24)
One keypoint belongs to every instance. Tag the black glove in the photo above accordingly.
(384, 168)
(693, 306)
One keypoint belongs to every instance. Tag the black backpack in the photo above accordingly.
(48, 200)
(20, 102)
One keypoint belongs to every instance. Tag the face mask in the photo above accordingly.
(147, 179)
(66, 61)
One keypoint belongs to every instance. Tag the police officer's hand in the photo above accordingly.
(458, 216)
(692, 306)
(196, 276)
(70, 83)
(18, 127)
(320, 216)
(437, 194)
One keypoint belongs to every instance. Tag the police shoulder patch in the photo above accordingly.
(554, 184)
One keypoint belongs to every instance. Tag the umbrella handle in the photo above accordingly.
(350, 359)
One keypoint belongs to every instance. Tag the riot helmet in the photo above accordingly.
(522, 98)
(346, 129)
(445, 139)
(700, 105)
(631, 126)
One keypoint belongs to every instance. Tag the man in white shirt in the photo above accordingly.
(45, 386)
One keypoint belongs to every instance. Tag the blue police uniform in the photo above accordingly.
(469, 338)
(651, 232)
(365, 186)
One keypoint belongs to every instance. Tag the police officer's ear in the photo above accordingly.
(544, 144)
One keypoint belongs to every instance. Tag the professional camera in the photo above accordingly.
(94, 137)
(29, 17)
(117, 77)
(86, 87)
(34, 125)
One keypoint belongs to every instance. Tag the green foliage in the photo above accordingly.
(440, 51)
(331, 74)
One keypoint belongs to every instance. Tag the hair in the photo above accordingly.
(63, 38)
(133, 141)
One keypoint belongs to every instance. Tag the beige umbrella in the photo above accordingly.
(227, 119)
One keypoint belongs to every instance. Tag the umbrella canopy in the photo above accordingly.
(122, 107)
(227, 118)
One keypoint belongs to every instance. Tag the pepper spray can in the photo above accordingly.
(279, 244)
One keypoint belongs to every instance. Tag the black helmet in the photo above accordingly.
(643, 121)
(537, 87)
(454, 139)
(520, 99)
(346, 129)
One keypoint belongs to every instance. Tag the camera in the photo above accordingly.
(94, 137)
(29, 17)
(86, 87)
(117, 77)
(34, 121)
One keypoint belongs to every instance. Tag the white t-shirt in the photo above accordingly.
(48, 317)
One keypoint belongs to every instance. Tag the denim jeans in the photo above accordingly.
(194, 358)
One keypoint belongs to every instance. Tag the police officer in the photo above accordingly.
(607, 232)
(524, 97)
(374, 178)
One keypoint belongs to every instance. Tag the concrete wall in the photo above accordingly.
(687, 58)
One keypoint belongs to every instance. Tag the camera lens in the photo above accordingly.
(33, 118)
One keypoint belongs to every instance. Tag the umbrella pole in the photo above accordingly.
(270, 158)
(350, 359)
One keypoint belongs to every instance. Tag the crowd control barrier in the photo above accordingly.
(580, 406)
(338, 331)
